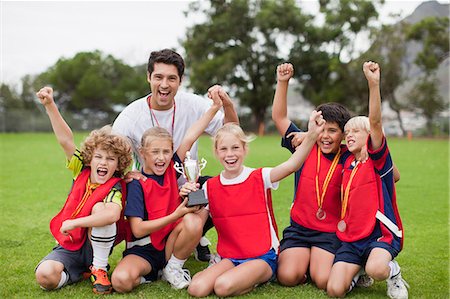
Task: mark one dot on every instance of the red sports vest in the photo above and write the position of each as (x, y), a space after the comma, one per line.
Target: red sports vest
(77, 237)
(239, 213)
(305, 205)
(363, 202)
(161, 201)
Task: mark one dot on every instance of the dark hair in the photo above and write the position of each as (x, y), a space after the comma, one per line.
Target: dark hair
(166, 56)
(335, 112)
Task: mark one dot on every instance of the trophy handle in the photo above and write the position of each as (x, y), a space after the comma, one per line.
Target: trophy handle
(202, 164)
(179, 168)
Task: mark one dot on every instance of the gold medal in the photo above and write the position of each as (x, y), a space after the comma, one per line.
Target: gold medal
(321, 215)
(342, 226)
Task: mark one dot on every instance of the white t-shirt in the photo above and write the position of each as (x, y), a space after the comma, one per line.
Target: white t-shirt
(267, 184)
(136, 118)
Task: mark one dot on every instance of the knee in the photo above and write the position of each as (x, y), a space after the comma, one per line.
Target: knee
(122, 281)
(222, 287)
(289, 277)
(98, 207)
(193, 224)
(321, 280)
(197, 288)
(47, 278)
(377, 272)
(335, 289)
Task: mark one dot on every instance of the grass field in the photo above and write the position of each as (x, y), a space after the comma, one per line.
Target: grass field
(34, 185)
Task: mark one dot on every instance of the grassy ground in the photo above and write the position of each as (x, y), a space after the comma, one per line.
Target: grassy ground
(34, 185)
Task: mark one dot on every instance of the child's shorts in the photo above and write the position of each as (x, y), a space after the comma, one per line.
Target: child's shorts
(296, 235)
(270, 258)
(156, 258)
(75, 262)
(358, 252)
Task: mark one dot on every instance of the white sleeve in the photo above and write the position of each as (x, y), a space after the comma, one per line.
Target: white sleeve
(202, 104)
(266, 177)
(122, 124)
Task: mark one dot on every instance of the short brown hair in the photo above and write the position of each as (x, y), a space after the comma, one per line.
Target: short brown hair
(104, 139)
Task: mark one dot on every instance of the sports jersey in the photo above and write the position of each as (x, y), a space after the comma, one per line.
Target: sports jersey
(371, 196)
(78, 205)
(305, 208)
(136, 118)
(152, 199)
(76, 165)
(242, 213)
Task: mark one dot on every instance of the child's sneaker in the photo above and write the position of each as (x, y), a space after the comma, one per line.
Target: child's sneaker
(201, 252)
(364, 281)
(397, 287)
(100, 281)
(179, 278)
(214, 259)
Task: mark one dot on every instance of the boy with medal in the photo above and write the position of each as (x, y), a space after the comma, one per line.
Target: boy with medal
(310, 241)
(370, 227)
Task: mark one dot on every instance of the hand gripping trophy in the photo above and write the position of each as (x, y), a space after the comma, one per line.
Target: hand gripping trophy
(191, 170)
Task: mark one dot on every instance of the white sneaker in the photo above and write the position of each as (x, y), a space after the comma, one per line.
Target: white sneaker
(179, 278)
(397, 287)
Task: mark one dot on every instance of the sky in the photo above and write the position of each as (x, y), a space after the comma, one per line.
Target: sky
(35, 34)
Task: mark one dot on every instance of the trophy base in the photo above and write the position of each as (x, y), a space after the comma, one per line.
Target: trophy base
(197, 198)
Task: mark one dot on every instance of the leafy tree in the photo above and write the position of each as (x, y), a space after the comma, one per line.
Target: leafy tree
(238, 46)
(92, 82)
(389, 48)
(433, 32)
(322, 58)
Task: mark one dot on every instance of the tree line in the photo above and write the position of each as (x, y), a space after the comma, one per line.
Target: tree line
(240, 43)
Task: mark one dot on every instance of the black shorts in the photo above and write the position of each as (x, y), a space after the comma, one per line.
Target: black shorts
(75, 262)
(156, 258)
(296, 235)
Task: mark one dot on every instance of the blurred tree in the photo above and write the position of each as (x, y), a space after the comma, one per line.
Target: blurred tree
(322, 58)
(433, 32)
(92, 82)
(9, 99)
(389, 49)
(239, 46)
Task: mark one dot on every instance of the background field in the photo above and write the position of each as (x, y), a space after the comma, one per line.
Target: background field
(34, 185)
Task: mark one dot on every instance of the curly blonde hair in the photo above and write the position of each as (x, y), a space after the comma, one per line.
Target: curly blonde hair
(106, 140)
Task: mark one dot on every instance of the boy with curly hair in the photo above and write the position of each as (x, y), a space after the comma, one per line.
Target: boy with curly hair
(85, 228)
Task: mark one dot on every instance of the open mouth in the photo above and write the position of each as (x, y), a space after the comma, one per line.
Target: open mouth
(102, 172)
(160, 166)
(164, 94)
(231, 162)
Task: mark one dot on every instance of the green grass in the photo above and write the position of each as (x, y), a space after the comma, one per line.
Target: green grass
(34, 185)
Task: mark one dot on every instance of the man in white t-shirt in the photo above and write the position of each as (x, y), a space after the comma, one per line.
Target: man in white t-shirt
(175, 111)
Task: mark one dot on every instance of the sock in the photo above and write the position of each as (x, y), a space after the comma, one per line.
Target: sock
(204, 241)
(395, 268)
(176, 262)
(102, 240)
(64, 279)
(354, 280)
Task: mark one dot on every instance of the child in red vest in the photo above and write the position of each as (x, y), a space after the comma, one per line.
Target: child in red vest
(164, 230)
(310, 241)
(85, 228)
(369, 225)
(241, 208)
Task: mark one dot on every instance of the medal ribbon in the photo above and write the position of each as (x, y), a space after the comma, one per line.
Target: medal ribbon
(89, 189)
(345, 195)
(320, 197)
(152, 115)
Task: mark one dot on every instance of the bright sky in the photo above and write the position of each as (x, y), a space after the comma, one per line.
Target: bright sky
(35, 34)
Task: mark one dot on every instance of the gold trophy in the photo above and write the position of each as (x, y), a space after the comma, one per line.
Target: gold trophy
(191, 170)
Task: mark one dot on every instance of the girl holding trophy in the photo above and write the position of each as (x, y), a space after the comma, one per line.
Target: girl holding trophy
(241, 208)
(163, 229)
